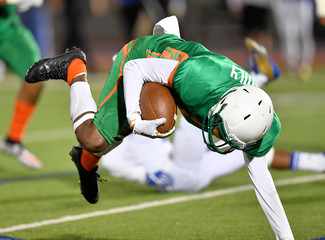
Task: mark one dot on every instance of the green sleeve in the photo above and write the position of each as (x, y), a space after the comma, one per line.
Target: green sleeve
(266, 143)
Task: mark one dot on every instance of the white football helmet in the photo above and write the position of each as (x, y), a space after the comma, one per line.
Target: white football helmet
(243, 115)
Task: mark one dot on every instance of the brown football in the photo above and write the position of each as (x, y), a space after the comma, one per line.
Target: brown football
(156, 101)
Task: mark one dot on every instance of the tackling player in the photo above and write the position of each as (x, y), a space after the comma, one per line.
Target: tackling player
(186, 165)
(213, 92)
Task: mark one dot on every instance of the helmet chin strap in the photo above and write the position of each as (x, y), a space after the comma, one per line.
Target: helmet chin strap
(223, 148)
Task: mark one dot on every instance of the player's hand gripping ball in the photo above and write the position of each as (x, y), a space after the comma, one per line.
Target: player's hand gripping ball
(156, 101)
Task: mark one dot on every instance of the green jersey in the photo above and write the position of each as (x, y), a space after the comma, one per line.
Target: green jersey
(201, 78)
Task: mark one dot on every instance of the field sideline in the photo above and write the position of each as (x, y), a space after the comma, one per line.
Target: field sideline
(47, 205)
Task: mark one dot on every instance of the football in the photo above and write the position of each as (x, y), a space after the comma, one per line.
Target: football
(156, 101)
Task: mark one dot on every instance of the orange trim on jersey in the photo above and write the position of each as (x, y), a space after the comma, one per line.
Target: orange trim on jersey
(150, 54)
(171, 76)
(178, 56)
(172, 54)
(126, 49)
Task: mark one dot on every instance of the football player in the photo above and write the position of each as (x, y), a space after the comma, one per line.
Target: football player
(213, 93)
(188, 165)
(19, 50)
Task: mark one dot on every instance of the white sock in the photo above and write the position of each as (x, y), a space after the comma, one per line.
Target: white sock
(81, 101)
(308, 161)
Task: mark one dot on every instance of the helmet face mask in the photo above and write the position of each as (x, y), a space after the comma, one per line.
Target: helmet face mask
(216, 121)
(242, 116)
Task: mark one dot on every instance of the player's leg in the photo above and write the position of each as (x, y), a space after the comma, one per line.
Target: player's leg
(20, 51)
(188, 144)
(290, 34)
(110, 120)
(194, 165)
(138, 158)
(214, 166)
(187, 158)
(123, 162)
(71, 67)
(99, 135)
(296, 160)
(262, 68)
(133, 161)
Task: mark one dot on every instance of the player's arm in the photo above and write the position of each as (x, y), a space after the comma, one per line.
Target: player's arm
(268, 197)
(135, 74)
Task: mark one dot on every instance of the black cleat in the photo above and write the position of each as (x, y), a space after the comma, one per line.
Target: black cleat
(54, 68)
(87, 180)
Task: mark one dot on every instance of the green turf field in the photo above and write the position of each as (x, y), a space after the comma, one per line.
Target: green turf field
(47, 204)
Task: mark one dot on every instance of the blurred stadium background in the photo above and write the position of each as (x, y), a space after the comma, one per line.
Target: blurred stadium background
(206, 21)
(52, 193)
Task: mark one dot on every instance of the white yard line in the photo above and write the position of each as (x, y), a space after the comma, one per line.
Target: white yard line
(158, 203)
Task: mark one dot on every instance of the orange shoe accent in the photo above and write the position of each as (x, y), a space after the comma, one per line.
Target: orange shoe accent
(20, 119)
(88, 160)
(76, 67)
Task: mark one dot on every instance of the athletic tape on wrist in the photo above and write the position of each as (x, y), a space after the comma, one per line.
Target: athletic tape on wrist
(83, 119)
(134, 117)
